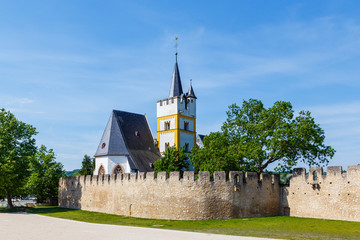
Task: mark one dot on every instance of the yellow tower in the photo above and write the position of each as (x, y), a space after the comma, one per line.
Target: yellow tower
(176, 116)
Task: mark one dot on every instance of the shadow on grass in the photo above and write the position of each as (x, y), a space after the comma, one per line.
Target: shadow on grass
(36, 210)
(45, 210)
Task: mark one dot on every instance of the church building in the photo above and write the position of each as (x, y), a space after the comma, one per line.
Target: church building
(127, 144)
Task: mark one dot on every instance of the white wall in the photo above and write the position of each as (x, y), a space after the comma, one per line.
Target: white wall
(190, 126)
(187, 138)
(173, 106)
(172, 123)
(191, 110)
(165, 107)
(164, 138)
(109, 162)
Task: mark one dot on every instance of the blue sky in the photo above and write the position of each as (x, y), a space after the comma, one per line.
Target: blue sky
(64, 65)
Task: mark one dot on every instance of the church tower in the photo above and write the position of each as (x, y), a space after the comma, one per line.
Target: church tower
(176, 116)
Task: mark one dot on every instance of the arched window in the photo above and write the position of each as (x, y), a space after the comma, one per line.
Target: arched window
(101, 170)
(118, 169)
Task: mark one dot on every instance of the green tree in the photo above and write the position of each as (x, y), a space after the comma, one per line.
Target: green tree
(87, 165)
(45, 175)
(75, 173)
(173, 160)
(217, 154)
(17, 145)
(273, 135)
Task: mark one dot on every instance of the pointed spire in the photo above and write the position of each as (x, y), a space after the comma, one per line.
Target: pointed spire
(176, 88)
(191, 92)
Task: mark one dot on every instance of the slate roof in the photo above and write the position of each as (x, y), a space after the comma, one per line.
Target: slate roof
(176, 88)
(191, 92)
(129, 134)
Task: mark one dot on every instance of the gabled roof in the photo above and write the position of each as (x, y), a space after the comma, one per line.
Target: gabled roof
(200, 140)
(129, 134)
(176, 88)
(191, 93)
(112, 141)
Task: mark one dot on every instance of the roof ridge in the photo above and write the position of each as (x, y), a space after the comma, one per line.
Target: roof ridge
(114, 110)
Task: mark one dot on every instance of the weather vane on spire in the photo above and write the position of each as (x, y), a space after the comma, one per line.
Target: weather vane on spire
(176, 44)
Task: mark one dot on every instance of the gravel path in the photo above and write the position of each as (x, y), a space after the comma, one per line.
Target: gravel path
(16, 226)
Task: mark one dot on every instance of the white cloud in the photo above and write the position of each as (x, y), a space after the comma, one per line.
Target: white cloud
(24, 101)
(15, 101)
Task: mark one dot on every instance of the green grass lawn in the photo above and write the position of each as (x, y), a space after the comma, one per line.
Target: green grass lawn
(272, 227)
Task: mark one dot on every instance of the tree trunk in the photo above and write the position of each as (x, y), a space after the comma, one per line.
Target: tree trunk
(8, 196)
(258, 175)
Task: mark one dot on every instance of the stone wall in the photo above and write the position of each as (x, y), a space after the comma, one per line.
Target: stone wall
(335, 195)
(146, 196)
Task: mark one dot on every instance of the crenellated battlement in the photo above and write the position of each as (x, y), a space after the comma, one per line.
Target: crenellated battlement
(299, 174)
(333, 173)
(187, 176)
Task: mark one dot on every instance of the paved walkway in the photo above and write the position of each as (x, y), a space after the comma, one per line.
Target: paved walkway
(16, 226)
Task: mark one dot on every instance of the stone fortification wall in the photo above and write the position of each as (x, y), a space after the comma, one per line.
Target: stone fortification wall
(146, 196)
(335, 195)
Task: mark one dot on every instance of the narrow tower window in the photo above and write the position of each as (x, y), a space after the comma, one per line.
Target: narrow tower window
(186, 147)
(186, 126)
(167, 125)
